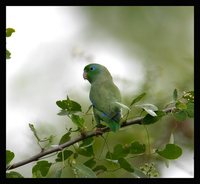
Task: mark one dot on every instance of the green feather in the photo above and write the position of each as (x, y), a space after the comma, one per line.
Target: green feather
(104, 94)
(112, 124)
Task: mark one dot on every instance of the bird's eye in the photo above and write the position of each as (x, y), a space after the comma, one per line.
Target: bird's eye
(92, 68)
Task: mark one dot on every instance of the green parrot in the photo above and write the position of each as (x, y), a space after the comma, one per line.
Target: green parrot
(104, 96)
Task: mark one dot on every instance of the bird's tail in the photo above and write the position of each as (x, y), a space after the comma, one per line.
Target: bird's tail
(113, 125)
(112, 122)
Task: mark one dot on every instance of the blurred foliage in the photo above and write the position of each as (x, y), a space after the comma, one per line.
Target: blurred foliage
(162, 39)
(9, 32)
(13, 174)
(149, 170)
(41, 169)
(9, 156)
(122, 155)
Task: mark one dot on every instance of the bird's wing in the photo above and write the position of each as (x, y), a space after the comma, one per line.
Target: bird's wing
(102, 96)
(113, 125)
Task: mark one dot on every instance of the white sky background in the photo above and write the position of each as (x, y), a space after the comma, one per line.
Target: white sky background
(42, 70)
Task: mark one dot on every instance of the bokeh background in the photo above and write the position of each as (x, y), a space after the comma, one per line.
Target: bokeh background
(146, 49)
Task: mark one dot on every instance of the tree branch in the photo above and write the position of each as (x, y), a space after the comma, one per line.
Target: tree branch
(75, 140)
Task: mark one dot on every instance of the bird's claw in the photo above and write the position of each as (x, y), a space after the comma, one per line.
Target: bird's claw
(99, 131)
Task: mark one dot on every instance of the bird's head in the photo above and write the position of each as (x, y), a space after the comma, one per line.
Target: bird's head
(94, 71)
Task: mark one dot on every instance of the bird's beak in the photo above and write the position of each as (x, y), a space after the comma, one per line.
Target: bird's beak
(85, 75)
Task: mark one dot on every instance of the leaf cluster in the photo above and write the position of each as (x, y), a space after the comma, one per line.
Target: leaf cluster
(81, 157)
(184, 105)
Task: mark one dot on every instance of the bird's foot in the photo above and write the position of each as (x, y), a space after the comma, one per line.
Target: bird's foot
(100, 126)
(99, 131)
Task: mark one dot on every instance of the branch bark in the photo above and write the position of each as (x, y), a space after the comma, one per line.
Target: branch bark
(75, 140)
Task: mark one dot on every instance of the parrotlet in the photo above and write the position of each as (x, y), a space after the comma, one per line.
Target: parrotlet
(104, 96)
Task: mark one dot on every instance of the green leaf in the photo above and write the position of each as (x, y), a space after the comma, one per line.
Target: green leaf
(63, 155)
(189, 96)
(119, 152)
(66, 137)
(175, 94)
(8, 54)
(85, 148)
(58, 173)
(75, 155)
(180, 115)
(149, 170)
(110, 157)
(137, 148)
(148, 119)
(84, 171)
(90, 163)
(62, 104)
(63, 113)
(171, 151)
(151, 112)
(9, 32)
(100, 168)
(13, 174)
(69, 105)
(190, 109)
(34, 131)
(87, 152)
(125, 165)
(139, 174)
(138, 98)
(41, 169)
(149, 108)
(87, 142)
(180, 105)
(79, 121)
(9, 156)
(50, 139)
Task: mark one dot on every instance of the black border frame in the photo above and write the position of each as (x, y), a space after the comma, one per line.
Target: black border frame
(196, 178)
